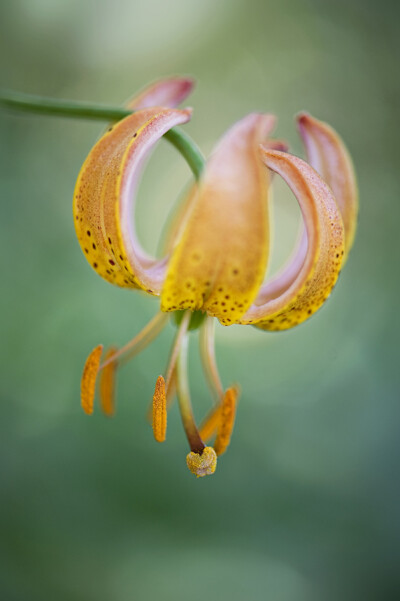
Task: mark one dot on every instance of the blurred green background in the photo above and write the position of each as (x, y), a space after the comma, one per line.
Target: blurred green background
(304, 506)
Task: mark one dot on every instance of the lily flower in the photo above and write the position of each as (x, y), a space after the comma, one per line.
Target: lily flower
(217, 254)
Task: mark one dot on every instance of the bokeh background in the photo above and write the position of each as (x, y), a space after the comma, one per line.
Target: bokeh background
(305, 505)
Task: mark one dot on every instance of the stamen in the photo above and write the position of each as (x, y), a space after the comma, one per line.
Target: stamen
(227, 420)
(171, 390)
(88, 381)
(160, 410)
(169, 394)
(207, 353)
(107, 383)
(211, 423)
(204, 464)
(140, 341)
(185, 405)
(173, 357)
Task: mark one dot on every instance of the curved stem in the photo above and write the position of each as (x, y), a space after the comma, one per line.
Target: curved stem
(68, 108)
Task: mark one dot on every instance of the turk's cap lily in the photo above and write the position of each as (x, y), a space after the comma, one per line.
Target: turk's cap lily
(217, 255)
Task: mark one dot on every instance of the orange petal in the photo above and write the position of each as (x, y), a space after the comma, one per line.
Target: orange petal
(290, 301)
(107, 384)
(329, 156)
(169, 92)
(104, 195)
(220, 260)
(89, 377)
(273, 144)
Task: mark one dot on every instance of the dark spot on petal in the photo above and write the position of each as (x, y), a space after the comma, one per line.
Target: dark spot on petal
(111, 262)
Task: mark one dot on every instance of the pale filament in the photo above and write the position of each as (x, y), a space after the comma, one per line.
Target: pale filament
(172, 361)
(140, 341)
(207, 354)
(170, 372)
(185, 404)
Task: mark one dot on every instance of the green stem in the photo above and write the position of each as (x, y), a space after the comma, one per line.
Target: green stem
(84, 110)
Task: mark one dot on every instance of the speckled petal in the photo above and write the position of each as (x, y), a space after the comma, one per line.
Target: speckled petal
(292, 300)
(104, 198)
(220, 260)
(329, 156)
(169, 92)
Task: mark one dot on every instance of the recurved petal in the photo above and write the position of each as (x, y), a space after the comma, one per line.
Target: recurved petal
(327, 153)
(104, 199)
(302, 289)
(274, 144)
(220, 259)
(168, 92)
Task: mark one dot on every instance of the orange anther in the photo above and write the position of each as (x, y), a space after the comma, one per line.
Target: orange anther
(160, 410)
(89, 376)
(107, 383)
(227, 421)
(211, 423)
